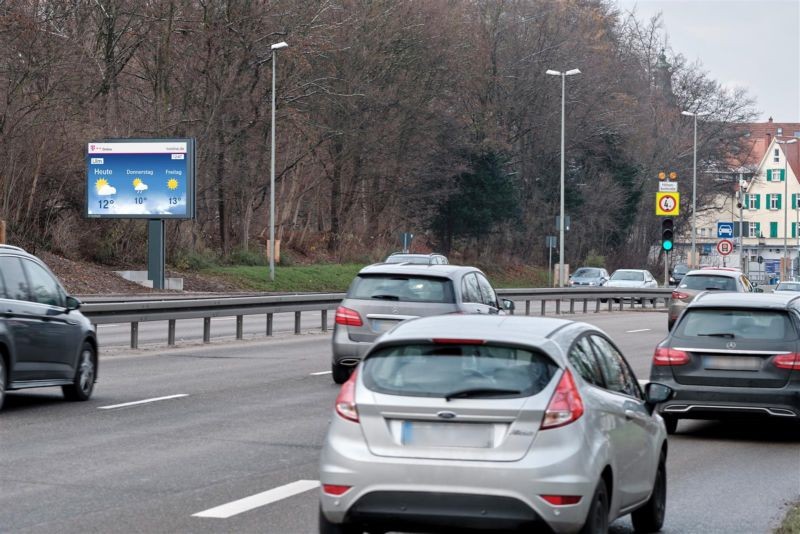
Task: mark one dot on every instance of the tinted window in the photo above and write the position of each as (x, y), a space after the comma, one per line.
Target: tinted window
(704, 282)
(617, 375)
(470, 291)
(582, 359)
(44, 288)
(409, 258)
(628, 275)
(487, 293)
(439, 370)
(402, 288)
(680, 269)
(16, 283)
(587, 273)
(736, 324)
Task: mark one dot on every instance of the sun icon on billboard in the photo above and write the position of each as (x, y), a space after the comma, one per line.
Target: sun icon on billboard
(172, 184)
(104, 188)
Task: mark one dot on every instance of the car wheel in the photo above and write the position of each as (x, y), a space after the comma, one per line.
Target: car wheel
(2, 381)
(671, 422)
(650, 517)
(340, 372)
(326, 527)
(83, 384)
(597, 520)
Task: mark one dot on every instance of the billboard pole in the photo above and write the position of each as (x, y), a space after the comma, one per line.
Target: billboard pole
(156, 252)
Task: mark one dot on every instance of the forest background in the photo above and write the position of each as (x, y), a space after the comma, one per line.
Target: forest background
(433, 117)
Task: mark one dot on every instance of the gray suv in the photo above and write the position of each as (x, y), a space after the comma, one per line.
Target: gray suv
(466, 422)
(382, 295)
(44, 339)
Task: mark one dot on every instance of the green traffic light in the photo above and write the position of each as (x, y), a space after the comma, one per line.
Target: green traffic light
(666, 245)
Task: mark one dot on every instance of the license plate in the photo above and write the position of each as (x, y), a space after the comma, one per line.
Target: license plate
(732, 363)
(383, 325)
(424, 434)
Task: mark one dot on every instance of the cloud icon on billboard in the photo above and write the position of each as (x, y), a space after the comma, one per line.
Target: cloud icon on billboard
(103, 188)
(139, 185)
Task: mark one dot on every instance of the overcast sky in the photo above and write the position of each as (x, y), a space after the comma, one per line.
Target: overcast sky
(753, 44)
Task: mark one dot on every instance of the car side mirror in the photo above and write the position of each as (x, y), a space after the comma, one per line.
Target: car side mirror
(655, 393)
(73, 303)
(508, 305)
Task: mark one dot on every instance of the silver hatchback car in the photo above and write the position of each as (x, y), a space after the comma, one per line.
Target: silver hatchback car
(382, 295)
(469, 422)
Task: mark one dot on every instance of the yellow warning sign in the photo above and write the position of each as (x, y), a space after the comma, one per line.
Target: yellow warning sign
(668, 203)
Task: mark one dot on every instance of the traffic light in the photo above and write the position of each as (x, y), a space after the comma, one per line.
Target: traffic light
(667, 233)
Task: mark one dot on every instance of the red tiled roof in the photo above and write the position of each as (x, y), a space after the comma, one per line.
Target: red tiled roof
(759, 135)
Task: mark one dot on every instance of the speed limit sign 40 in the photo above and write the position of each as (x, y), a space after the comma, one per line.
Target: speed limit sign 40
(724, 247)
(668, 203)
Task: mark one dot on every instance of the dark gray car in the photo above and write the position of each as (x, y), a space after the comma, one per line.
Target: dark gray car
(44, 339)
(383, 295)
(732, 355)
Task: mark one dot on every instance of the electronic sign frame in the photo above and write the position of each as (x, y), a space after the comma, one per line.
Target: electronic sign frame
(140, 179)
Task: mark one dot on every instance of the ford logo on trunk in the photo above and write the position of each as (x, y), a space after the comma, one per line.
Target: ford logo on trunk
(446, 415)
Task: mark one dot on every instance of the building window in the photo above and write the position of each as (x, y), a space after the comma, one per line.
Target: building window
(780, 131)
(777, 157)
(752, 201)
(796, 134)
(702, 232)
(752, 231)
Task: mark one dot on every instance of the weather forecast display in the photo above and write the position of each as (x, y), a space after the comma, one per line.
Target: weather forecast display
(141, 179)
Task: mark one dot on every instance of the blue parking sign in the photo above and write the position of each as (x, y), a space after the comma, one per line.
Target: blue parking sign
(724, 229)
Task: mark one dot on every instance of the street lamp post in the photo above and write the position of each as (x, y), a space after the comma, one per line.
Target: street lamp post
(694, 184)
(785, 206)
(561, 220)
(274, 48)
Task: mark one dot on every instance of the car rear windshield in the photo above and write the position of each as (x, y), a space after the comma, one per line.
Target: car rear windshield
(628, 275)
(586, 273)
(431, 370)
(736, 324)
(680, 269)
(417, 260)
(403, 288)
(703, 282)
(788, 286)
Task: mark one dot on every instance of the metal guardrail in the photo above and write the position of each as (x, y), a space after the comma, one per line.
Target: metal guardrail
(136, 310)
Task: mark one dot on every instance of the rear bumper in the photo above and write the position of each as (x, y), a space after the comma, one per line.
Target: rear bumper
(346, 351)
(457, 494)
(707, 402)
(452, 512)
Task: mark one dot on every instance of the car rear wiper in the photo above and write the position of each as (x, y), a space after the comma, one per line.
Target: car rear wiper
(480, 392)
(386, 297)
(729, 335)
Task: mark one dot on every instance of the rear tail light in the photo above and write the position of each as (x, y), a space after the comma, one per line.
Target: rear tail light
(346, 400)
(678, 295)
(335, 490)
(787, 361)
(561, 500)
(566, 404)
(348, 317)
(665, 357)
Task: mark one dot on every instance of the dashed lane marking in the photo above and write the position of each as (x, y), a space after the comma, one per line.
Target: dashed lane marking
(259, 499)
(145, 401)
(319, 373)
(640, 330)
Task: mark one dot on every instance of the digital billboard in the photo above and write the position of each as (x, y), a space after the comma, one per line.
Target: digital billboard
(140, 178)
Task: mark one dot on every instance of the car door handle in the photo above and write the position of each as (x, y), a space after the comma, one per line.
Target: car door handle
(631, 415)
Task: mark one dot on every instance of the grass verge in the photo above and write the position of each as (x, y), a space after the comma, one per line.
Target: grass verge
(791, 523)
(337, 277)
(301, 278)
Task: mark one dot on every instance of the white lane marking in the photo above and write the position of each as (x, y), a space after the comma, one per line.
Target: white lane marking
(321, 373)
(640, 330)
(233, 508)
(223, 318)
(107, 325)
(145, 401)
